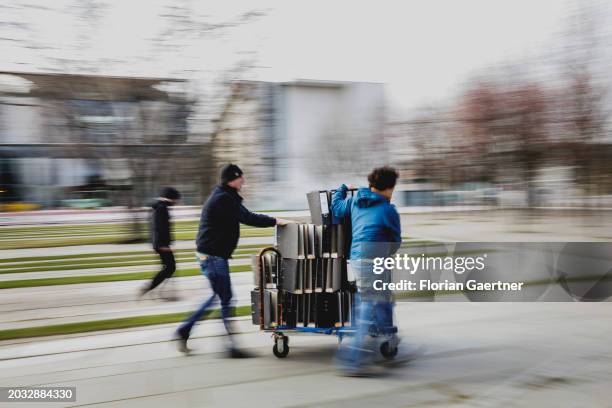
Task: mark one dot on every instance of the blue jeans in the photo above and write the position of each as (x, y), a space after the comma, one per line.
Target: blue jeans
(216, 269)
(373, 314)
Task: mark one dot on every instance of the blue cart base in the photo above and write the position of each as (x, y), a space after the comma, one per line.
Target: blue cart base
(281, 342)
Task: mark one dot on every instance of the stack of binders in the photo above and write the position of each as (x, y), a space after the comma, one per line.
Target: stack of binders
(307, 285)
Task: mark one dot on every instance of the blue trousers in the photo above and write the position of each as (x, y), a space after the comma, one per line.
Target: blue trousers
(370, 318)
(373, 314)
(216, 269)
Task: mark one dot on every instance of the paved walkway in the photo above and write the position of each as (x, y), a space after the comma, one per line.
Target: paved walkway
(112, 248)
(108, 271)
(485, 355)
(48, 305)
(28, 307)
(494, 354)
(511, 226)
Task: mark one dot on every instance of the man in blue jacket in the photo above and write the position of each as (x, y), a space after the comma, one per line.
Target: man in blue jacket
(217, 238)
(376, 232)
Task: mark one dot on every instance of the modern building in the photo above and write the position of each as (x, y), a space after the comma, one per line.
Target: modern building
(61, 134)
(299, 136)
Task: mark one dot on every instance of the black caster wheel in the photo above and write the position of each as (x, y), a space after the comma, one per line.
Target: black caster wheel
(388, 351)
(281, 347)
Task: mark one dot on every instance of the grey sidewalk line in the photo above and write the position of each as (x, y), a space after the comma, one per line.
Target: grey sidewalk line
(87, 258)
(112, 248)
(22, 348)
(125, 260)
(81, 315)
(161, 308)
(4, 277)
(125, 303)
(64, 296)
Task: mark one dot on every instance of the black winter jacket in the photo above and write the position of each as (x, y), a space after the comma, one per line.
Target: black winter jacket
(220, 221)
(160, 225)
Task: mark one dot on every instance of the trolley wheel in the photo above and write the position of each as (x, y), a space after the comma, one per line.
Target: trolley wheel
(281, 347)
(388, 351)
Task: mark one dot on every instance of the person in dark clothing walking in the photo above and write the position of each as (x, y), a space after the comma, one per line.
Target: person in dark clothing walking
(217, 238)
(161, 236)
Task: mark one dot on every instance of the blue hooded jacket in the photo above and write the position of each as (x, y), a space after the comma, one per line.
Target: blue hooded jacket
(374, 220)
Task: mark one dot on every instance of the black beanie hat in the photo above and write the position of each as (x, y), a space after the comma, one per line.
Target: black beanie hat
(170, 193)
(230, 172)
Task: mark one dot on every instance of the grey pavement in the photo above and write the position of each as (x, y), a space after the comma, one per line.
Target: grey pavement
(106, 215)
(28, 307)
(7, 276)
(119, 214)
(450, 226)
(47, 305)
(511, 225)
(112, 248)
(493, 354)
(485, 355)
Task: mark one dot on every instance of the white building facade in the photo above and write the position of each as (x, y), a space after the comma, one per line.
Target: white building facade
(295, 137)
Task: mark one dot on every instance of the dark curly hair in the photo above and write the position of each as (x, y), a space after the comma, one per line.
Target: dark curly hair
(382, 178)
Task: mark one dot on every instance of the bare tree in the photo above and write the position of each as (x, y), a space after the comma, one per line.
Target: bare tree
(144, 142)
(583, 106)
(479, 116)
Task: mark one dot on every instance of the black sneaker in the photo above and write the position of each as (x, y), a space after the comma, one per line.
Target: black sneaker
(237, 353)
(181, 338)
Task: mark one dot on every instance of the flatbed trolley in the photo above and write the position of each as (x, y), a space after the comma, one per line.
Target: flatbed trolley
(388, 348)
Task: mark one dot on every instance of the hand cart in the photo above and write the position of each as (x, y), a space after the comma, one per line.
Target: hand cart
(388, 347)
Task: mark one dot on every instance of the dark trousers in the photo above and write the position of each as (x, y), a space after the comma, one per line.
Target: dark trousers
(216, 269)
(168, 268)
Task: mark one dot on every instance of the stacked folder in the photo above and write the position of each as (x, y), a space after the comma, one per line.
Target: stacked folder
(309, 241)
(306, 285)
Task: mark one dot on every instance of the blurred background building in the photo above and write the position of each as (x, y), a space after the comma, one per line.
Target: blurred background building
(85, 127)
(299, 136)
(87, 140)
(90, 140)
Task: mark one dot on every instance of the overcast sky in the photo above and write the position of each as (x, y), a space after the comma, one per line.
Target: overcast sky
(423, 50)
(420, 49)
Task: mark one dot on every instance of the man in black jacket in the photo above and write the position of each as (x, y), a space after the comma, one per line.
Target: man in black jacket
(217, 238)
(161, 236)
